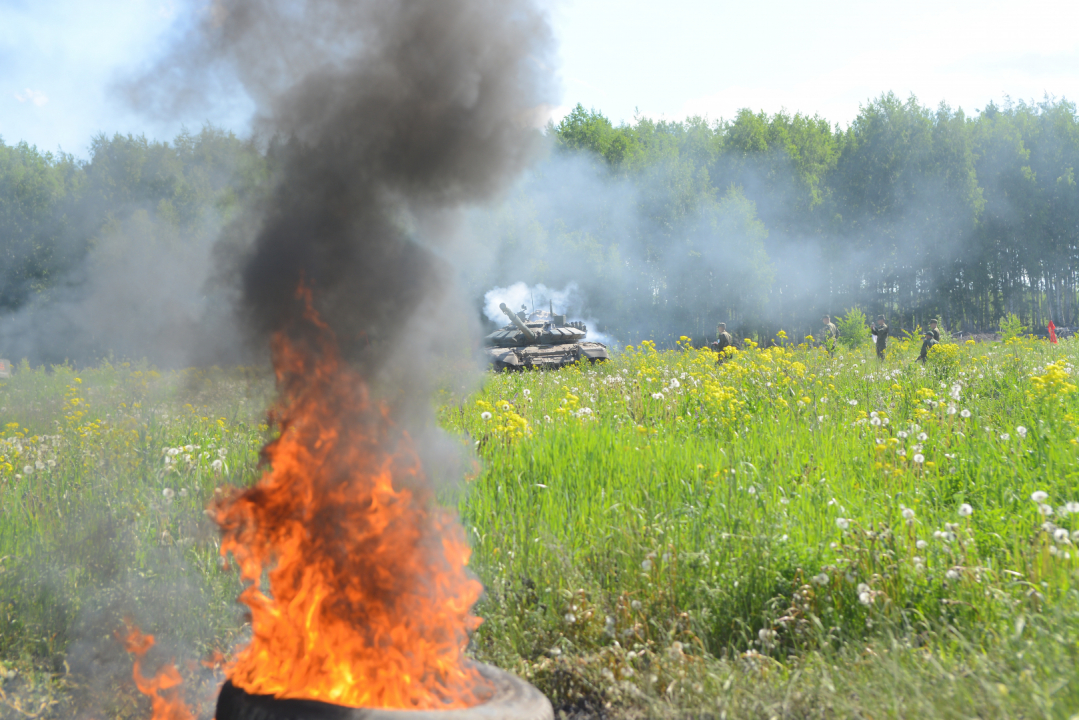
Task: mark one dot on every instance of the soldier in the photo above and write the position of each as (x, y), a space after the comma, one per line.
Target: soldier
(932, 337)
(879, 330)
(828, 333)
(723, 341)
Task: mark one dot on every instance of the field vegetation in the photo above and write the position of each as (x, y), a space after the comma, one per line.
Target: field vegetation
(785, 533)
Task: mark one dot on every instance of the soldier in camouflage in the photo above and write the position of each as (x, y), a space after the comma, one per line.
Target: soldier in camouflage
(723, 341)
(829, 333)
(879, 330)
(932, 337)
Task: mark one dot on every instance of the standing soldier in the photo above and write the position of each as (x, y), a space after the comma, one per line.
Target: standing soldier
(879, 330)
(829, 333)
(932, 337)
(723, 341)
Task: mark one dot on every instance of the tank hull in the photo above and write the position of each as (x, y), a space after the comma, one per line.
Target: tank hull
(545, 357)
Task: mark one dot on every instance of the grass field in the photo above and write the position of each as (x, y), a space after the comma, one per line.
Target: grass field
(786, 534)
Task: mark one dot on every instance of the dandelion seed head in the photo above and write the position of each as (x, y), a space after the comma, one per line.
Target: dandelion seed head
(965, 510)
(919, 458)
(485, 415)
(908, 513)
(1039, 496)
(921, 544)
(1045, 510)
(842, 523)
(964, 413)
(1021, 431)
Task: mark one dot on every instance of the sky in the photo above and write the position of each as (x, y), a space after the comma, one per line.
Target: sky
(61, 59)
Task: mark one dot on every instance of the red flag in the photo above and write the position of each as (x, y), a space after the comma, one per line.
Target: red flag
(1052, 332)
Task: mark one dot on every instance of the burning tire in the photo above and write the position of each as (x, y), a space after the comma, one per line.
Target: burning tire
(514, 699)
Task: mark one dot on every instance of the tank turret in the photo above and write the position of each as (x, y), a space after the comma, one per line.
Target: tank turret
(529, 335)
(542, 339)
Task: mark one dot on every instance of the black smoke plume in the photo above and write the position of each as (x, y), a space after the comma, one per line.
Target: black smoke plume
(388, 116)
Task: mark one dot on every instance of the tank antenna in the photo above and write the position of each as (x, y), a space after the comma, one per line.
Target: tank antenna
(533, 296)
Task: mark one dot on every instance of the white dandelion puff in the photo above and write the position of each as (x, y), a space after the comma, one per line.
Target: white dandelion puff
(485, 415)
(1021, 431)
(919, 458)
(842, 523)
(965, 510)
(1039, 496)
(908, 513)
(1045, 510)
(964, 413)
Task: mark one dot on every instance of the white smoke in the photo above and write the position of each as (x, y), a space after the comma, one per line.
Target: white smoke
(569, 301)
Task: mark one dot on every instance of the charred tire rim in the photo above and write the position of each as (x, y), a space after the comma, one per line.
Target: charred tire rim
(514, 699)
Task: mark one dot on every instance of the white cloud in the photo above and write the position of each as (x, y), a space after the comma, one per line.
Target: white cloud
(36, 97)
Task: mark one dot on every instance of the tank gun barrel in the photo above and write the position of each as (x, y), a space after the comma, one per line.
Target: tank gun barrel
(517, 321)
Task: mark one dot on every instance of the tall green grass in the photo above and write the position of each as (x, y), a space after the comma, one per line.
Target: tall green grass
(647, 527)
(768, 536)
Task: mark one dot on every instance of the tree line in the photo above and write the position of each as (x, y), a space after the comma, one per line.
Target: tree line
(765, 221)
(909, 211)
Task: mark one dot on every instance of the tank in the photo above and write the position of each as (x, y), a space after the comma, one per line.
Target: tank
(540, 340)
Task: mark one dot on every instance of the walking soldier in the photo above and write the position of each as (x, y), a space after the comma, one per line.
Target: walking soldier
(829, 333)
(879, 330)
(932, 337)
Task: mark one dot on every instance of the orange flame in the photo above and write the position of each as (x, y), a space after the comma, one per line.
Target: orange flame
(369, 600)
(163, 688)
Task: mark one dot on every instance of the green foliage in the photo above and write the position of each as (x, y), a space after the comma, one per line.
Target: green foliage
(676, 526)
(53, 209)
(684, 509)
(944, 358)
(1011, 327)
(853, 329)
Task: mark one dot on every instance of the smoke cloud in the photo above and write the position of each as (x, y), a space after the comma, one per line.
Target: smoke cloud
(568, 301)
(393, 116)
